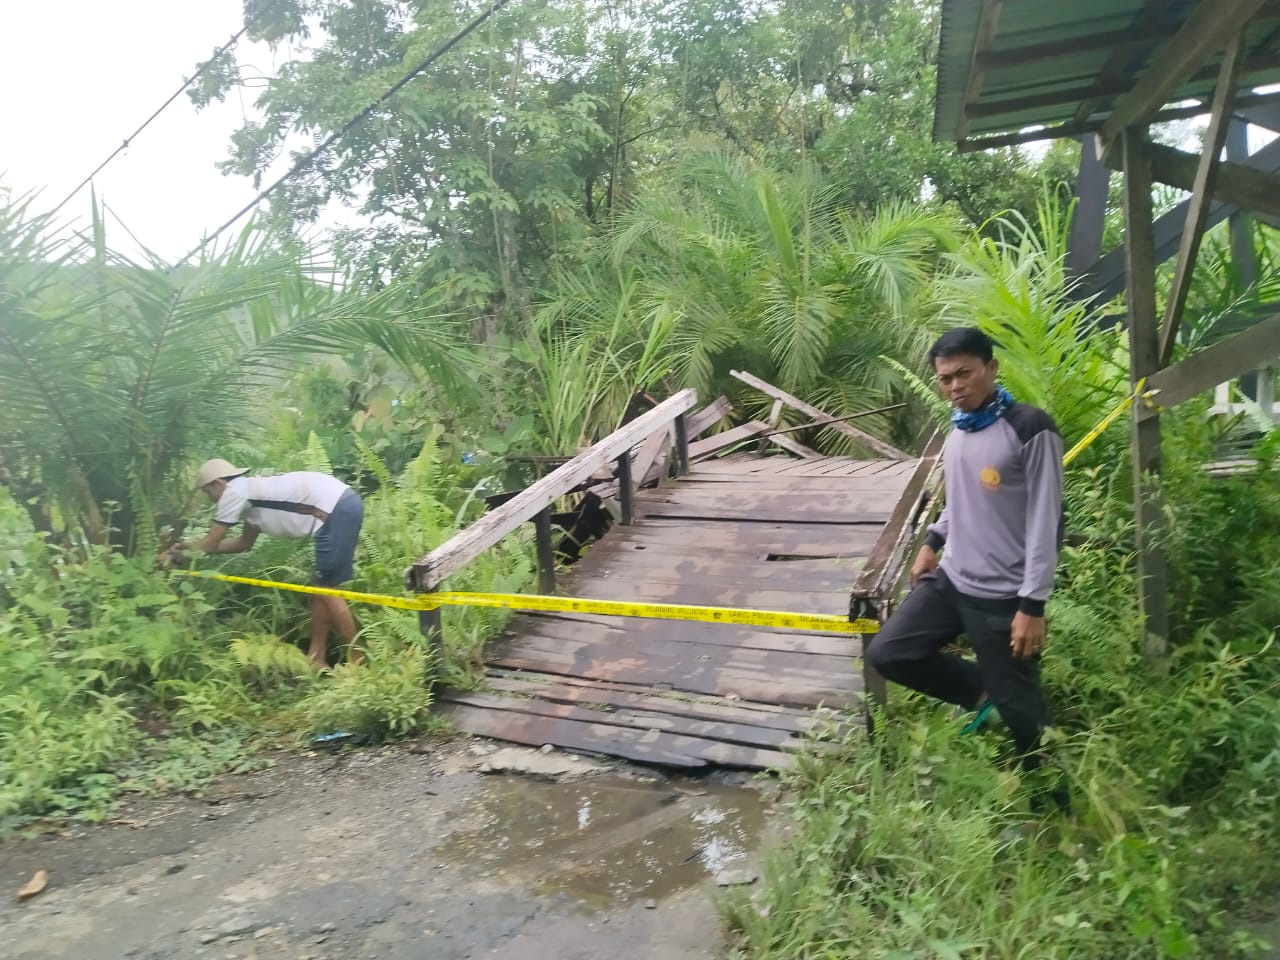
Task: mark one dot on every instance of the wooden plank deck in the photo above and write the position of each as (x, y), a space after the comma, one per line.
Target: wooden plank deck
(739, 531)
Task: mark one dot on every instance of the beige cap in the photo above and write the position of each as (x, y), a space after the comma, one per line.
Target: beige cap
(215, 469)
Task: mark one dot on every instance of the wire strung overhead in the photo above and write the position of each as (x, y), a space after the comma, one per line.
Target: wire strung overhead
(310, 158)
(124, 144)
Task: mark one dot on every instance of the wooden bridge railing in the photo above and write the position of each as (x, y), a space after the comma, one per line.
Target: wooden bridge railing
(880, 581)
(649, 430)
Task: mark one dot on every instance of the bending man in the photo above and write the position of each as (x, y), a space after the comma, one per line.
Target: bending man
(999, 534)
(302, 504)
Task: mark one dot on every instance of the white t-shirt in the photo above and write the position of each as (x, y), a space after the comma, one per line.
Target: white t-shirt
(280, 506)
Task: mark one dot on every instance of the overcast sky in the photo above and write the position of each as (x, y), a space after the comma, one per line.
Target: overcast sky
(78, 76)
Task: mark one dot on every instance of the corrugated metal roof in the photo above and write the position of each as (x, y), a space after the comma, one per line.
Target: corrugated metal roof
(1046, 57)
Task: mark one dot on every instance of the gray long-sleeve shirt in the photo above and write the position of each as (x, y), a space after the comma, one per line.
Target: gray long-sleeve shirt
(1002, 524)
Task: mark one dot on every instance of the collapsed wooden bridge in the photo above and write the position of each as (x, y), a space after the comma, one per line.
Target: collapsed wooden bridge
(705, 522)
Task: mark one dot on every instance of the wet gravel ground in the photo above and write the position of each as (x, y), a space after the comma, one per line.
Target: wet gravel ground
(391, 853)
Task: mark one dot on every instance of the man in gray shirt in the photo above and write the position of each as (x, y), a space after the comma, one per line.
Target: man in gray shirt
(999, 536)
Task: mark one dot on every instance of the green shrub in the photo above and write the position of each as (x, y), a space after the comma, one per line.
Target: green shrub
(387, 696)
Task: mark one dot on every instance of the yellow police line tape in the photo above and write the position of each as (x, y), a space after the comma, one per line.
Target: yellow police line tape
(813, 622)
(1109, 419)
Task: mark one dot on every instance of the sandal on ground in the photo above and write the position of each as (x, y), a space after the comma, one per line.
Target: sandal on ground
(979, 717)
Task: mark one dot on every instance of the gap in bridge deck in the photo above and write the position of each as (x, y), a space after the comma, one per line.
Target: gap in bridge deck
(742, 531)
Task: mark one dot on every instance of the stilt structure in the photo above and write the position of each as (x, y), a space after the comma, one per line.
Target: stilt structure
(1104, 71)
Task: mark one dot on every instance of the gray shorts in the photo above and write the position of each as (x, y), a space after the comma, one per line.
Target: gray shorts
(336, 541)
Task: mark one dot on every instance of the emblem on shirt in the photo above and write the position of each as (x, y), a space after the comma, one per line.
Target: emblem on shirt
(989, 478)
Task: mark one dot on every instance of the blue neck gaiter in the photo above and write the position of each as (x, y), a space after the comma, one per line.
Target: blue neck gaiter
(984, 416)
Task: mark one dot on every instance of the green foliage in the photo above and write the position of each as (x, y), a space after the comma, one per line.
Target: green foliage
(909, 846)
(389, 696)
(736, 267)
(117, 373)
(1053, 353)
(79, 639)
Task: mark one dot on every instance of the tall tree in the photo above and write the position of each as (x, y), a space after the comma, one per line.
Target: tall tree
(514, 149)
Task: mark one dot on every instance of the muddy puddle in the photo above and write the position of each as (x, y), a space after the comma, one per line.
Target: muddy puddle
(607, 841)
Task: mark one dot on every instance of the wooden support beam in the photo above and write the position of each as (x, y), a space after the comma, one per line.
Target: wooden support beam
(864, 438)
(1207, 30)
(1201, 195)
(1254, 347)
(988, 19)
(1106, 277)
(1144, 348)
(450, 557)
(875, 591)
(1239, 184)
(1244, 186)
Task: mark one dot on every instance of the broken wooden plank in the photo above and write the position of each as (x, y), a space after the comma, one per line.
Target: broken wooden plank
(587, 692)
(639, 746)
(630, 718)
(642, 467)
(866, 439)
(706, 418)
(723, 441)
(794, 446)
(874, 579)
(755, 706)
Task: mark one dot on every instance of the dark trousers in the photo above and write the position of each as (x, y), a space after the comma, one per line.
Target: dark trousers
(908, 650)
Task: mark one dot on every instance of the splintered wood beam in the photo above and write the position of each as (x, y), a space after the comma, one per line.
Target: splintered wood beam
(1253, 347)
(864, 438)
(1201, 195)
(1207, 30)
(988, 19)
(1144, 347)
(450, 557)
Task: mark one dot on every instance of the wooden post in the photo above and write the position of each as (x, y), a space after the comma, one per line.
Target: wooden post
(1243, 255)
(1144, 353)
(626, 488)
(431, 623)
(1201, 197)
(682, 446)
(1084, 245)
(546, 552)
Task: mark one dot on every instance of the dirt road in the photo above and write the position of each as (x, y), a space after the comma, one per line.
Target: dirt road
(393, 854)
